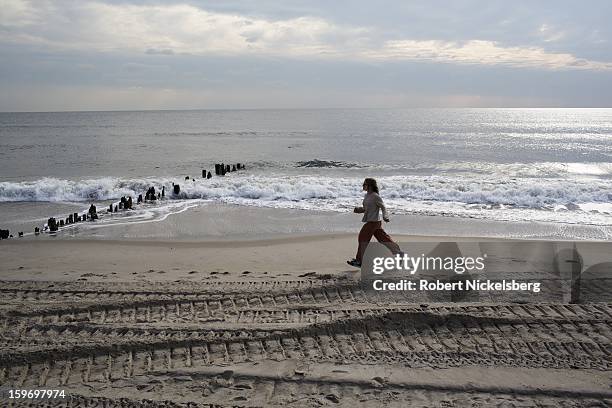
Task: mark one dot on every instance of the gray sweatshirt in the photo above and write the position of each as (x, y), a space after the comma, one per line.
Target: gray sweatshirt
(372, 203)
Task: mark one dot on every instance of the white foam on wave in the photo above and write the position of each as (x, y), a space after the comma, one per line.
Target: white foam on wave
(60, 190)
(157, 212)
(553, 199)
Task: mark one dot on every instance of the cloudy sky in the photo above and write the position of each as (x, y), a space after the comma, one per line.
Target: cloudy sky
(190, 54)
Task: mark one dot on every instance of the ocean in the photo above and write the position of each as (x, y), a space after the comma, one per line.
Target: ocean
(536, 166)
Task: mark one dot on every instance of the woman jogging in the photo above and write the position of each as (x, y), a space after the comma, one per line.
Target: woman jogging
(372, 204)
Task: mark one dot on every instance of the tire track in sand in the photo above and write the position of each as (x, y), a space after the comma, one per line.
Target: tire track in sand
(310, 307)
(417, 339)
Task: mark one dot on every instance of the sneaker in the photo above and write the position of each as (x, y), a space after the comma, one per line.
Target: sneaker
(354, 262)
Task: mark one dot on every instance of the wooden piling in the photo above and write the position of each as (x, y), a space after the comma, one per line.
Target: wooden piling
(52, 224)
(93, 212)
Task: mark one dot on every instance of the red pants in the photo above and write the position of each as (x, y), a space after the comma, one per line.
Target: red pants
(373, 228)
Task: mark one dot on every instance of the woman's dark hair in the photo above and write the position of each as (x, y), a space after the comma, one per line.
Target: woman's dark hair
(370, 182)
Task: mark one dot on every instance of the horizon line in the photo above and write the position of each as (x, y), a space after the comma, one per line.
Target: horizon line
(303, 108)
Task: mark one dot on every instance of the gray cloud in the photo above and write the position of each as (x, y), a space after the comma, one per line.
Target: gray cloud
(199, 54)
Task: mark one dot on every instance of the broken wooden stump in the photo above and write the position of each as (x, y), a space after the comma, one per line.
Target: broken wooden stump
(53, 225)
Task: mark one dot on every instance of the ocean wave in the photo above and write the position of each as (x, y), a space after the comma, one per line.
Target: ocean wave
(566, 201)
(61, 190)
(526, 193)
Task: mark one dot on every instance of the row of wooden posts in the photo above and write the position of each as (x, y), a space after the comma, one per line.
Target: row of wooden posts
(53, 224)
(125, 203)
(221, 169)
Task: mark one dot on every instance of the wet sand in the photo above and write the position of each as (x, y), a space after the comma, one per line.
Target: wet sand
(282, 322)
(129, 260)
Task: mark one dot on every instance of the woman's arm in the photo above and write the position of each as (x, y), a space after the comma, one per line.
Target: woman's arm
(381, 205)
(359, 210)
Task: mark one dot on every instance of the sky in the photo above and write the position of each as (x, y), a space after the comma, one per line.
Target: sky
(146, 54)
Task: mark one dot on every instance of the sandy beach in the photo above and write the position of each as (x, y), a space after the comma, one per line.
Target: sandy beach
(215, 204)
(282, 322)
